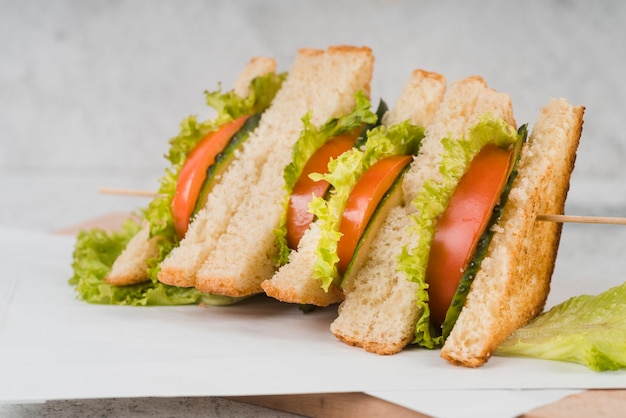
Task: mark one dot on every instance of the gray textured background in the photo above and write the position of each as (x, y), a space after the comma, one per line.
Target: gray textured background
(90, 91)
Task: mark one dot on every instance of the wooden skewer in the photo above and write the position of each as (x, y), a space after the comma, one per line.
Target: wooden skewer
(543, 218)
(582, 219)
(128, 192)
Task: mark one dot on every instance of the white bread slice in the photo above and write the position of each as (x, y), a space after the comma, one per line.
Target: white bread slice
(323, 83)
(513, 282)
(380, 309)
(294, 282)
(130, 267)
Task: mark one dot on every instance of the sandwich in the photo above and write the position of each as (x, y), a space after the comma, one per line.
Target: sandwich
(308, 272)
(230, 247)
(420, 222)
(462, 261)
(121, 267)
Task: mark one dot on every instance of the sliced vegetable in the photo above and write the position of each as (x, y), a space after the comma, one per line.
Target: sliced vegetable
(461, 225)
(392, 198)
(223, 159)
(363, 201)
(299, 217)
(193, 172)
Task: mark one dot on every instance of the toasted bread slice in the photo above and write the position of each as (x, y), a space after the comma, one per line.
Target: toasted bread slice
(131, 266)
(323, 82)
(513, 282)
(294, 282)
(380, 308)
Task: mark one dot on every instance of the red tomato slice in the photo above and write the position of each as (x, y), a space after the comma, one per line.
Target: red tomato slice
(363, 201)
(463, 222)
(194, 171)
(298, 216)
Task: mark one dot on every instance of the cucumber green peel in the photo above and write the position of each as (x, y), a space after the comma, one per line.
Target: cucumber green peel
(432, 201)
(589, 330)
(222, 160)
(389, 198)
(96, 250)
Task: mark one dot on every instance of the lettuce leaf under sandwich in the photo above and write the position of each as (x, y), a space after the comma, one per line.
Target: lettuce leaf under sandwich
(94, 254)
(96, 250)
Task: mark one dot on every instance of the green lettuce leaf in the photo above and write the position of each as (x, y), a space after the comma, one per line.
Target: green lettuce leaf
(310, 140)
(589, 330)
(96, 250)
(344, 172)
(94, 254)
(432, 201)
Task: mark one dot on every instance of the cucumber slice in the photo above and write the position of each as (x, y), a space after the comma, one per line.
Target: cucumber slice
(223, 159)
(393, 197)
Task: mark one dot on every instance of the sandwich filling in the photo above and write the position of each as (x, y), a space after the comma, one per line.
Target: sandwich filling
(192, 180)
(312, 154)
(298, 216)
(343, 174)
(364, 199)
(431, 204)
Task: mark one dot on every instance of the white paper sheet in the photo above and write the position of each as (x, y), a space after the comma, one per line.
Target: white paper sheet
(53, 346)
